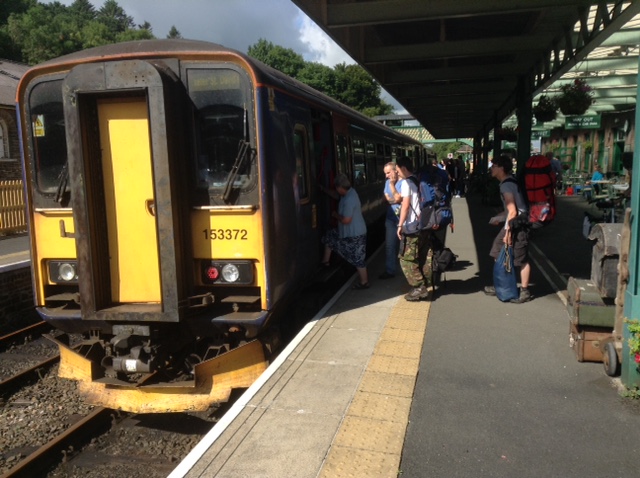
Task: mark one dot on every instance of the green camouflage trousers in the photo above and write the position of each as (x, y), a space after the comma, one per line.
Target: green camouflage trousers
(416, 258)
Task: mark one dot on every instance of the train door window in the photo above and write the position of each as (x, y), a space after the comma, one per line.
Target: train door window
(225, 153)
(372, 175)
(343, 157)
(48, 139)
(301, 148)
(380, 162)
(387, 153)
(359, 166)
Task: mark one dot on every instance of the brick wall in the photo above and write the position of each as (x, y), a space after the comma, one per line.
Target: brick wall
(16, 300)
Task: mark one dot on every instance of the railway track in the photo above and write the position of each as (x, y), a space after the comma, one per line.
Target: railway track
(56, 450)
(38, 418)
(21, 335)
(24, 357)
(77, 440)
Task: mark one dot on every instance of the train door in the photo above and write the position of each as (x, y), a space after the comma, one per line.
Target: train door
(127, 174)
(325, 170)
(125, 137)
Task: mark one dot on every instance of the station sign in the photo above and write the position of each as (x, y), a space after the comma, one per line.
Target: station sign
(543, 133)
(582, 122)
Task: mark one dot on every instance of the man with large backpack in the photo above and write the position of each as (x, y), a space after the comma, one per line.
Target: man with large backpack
(514, 233)
(416, 252)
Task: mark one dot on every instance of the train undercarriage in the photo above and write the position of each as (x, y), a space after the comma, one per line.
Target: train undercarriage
(134, 374)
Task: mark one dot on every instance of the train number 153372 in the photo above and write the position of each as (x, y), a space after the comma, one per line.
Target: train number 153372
(225, 234)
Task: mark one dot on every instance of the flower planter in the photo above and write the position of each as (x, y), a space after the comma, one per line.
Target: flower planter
(574, 108)
(546, 109)
(576, 98)
(630, 371)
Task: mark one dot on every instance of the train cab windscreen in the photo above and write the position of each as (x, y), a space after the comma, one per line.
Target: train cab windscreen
(49, 140)
(225, 152)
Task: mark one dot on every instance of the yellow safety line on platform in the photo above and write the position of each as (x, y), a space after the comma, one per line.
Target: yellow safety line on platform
(370, 439)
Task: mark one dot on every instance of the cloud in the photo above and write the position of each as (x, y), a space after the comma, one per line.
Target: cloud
(321, 48)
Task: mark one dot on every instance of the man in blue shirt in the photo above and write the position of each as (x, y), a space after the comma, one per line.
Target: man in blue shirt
(392, 242)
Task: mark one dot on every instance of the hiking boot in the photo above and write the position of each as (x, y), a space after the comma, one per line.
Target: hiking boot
(490, 290)
(385, 275)
(419, 293)
(525, 296)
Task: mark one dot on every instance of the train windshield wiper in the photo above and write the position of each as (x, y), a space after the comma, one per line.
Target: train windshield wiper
(63, 181)
(243, 149)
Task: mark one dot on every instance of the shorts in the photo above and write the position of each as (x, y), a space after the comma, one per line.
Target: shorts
(520, 246)
(352, 249)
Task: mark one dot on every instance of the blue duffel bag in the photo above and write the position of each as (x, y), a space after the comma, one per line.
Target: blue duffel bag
(504, 276)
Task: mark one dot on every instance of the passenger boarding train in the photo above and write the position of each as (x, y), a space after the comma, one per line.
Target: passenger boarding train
(174, 211)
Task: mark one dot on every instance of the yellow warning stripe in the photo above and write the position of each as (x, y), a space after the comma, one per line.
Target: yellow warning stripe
(370, 439)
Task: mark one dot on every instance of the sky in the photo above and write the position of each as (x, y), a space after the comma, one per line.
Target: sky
(238, 24)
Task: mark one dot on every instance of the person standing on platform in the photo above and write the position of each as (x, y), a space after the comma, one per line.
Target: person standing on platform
(511, 234)
(416, 254)
(556, 167)
(350, 238)
(392, 243)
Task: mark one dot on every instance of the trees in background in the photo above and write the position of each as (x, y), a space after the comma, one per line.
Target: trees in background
(33, 32)
(349, 84)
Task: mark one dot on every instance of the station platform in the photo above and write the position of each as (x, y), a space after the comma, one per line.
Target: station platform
(14, 252)
(462, 386)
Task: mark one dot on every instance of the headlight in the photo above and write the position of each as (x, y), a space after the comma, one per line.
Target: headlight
(230, 273)
(63, 272)
(227, 272)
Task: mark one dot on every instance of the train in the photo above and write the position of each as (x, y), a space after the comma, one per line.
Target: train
(173, 204)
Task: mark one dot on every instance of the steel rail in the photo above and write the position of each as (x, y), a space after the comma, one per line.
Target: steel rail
(11, 384)
(54, 452)
(20, 335)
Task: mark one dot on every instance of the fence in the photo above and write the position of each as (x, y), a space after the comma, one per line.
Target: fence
(12, 209)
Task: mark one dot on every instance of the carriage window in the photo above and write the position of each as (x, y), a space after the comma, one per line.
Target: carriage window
(301, 151)
(343, 160)
(360, 176)
(226, 159)
(48, 136)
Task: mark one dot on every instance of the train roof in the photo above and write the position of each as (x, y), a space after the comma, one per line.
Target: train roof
(171, 47)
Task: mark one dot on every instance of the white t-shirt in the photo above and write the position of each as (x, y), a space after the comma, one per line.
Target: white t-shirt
(409, 188)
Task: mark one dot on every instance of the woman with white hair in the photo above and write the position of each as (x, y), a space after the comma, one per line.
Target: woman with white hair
(350, 238)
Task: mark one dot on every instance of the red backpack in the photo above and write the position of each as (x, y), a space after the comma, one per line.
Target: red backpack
(540, 184)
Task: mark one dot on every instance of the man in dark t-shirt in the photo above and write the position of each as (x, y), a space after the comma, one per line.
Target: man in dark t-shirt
(515, 236)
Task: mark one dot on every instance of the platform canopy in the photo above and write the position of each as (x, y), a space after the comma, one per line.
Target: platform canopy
(460, 67)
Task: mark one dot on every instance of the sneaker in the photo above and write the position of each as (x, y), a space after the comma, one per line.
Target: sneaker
(417, 294)
(525, 296)
(490, 290)
(386, 275)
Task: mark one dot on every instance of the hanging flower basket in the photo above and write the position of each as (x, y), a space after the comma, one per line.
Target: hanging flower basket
(576, 97)
(546, 109)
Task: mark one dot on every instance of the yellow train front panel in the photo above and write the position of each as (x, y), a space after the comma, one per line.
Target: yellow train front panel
(230, 234)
